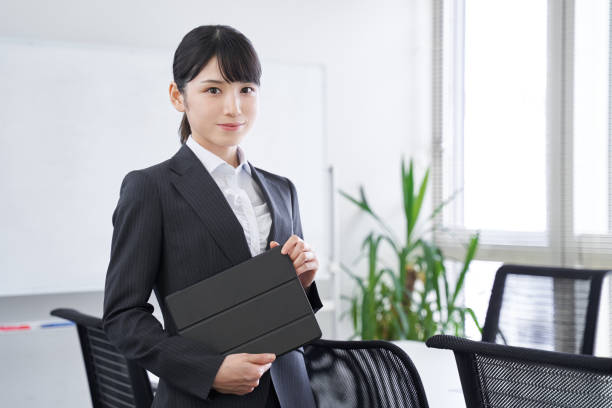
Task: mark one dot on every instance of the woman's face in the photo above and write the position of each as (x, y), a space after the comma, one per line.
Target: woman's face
(219, 113)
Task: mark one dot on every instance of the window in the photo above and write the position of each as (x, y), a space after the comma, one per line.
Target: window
(504, 137)
(522, 131)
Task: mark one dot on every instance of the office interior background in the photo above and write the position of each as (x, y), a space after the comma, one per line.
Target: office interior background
(504, 104)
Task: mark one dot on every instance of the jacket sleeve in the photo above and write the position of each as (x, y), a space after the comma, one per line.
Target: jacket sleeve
(312, 293)
(129, 324)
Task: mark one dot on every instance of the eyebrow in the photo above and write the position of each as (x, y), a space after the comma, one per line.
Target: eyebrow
(216, 81)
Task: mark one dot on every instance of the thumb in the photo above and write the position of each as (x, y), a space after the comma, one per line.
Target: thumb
(274, 244)
(263, 358)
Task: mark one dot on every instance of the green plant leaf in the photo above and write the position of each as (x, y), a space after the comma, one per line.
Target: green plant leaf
(396, 247)
(372, 258)
(444, 275)
(363, 204)
(355, 314)
(419, 201)
(408, 192)
(432, 275)
(358, 279)
(429, 324)
(403, 318)
(368, 317)
(469, 256)
(367, 241)
(474, 318)
(444, 204)
(396, 283)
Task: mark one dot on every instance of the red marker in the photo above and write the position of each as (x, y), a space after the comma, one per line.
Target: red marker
(14, 328)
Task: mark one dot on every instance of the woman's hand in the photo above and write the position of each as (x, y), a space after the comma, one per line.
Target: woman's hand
(303, 256)
(240, 373)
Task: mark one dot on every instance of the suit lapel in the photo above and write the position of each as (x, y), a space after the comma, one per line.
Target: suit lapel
(200, 190)
(277, 206)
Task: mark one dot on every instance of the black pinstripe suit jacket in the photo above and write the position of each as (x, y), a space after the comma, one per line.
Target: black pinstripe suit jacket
(172, 228)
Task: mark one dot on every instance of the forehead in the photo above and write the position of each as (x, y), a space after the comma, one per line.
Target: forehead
(210, 71)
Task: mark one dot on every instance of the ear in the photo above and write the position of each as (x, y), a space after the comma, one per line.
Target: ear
(176, 98)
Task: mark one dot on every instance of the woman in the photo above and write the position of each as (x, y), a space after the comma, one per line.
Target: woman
(197, 214)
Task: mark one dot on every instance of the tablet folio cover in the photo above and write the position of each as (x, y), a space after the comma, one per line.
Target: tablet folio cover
(257, 306)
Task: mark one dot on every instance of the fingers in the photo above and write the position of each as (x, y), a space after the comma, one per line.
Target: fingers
(253, 373)
(302, 258)
(263, 358)
(294, 246)
(240, 373)
(300, 248)
(261, 369)
(301, 253)
(291, 242)
(297, 249)
(308, 266)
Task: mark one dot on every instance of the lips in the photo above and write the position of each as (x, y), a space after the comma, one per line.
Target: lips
(230, 126)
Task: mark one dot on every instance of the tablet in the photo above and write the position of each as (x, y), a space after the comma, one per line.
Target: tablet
(257, 306)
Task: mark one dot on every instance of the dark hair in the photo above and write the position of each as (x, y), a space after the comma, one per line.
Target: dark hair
(238, 61)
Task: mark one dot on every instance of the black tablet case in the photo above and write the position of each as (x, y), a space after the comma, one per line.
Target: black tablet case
(257, 306)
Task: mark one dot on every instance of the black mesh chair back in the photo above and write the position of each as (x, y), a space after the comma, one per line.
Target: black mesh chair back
(495, 375)
(546, 308)
(114, 381)
(362, 374)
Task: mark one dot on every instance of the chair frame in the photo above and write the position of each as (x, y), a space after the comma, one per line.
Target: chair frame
(465, 349)
(377, 344)
(143, 392)
(491, 325)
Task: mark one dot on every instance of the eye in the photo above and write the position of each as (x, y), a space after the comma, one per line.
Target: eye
(248, 89)
(213, 90)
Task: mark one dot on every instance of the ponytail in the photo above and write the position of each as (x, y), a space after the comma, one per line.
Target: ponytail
(184, 129)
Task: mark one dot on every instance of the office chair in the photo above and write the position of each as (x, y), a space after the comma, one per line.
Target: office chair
(546, 308)
(495, 375)
(362, 374)
(114, 381)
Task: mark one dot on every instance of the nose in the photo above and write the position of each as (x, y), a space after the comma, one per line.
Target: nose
(232, 104)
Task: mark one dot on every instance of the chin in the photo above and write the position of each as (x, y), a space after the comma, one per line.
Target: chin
(231, 140)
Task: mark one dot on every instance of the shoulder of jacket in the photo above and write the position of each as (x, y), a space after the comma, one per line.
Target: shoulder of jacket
(275, 177)
(148, 178)
(154, 172)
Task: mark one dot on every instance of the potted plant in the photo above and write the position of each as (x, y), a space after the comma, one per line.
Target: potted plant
(415, 299)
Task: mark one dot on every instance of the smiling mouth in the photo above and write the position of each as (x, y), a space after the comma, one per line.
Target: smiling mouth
(230, 127)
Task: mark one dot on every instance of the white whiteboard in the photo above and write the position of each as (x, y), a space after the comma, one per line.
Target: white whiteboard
(74, 120)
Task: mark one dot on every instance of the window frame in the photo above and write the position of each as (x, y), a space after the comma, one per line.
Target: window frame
(558, 246)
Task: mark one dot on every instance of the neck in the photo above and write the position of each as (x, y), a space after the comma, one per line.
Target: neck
(228, 153)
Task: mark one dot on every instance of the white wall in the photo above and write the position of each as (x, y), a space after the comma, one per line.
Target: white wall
(376, 55)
